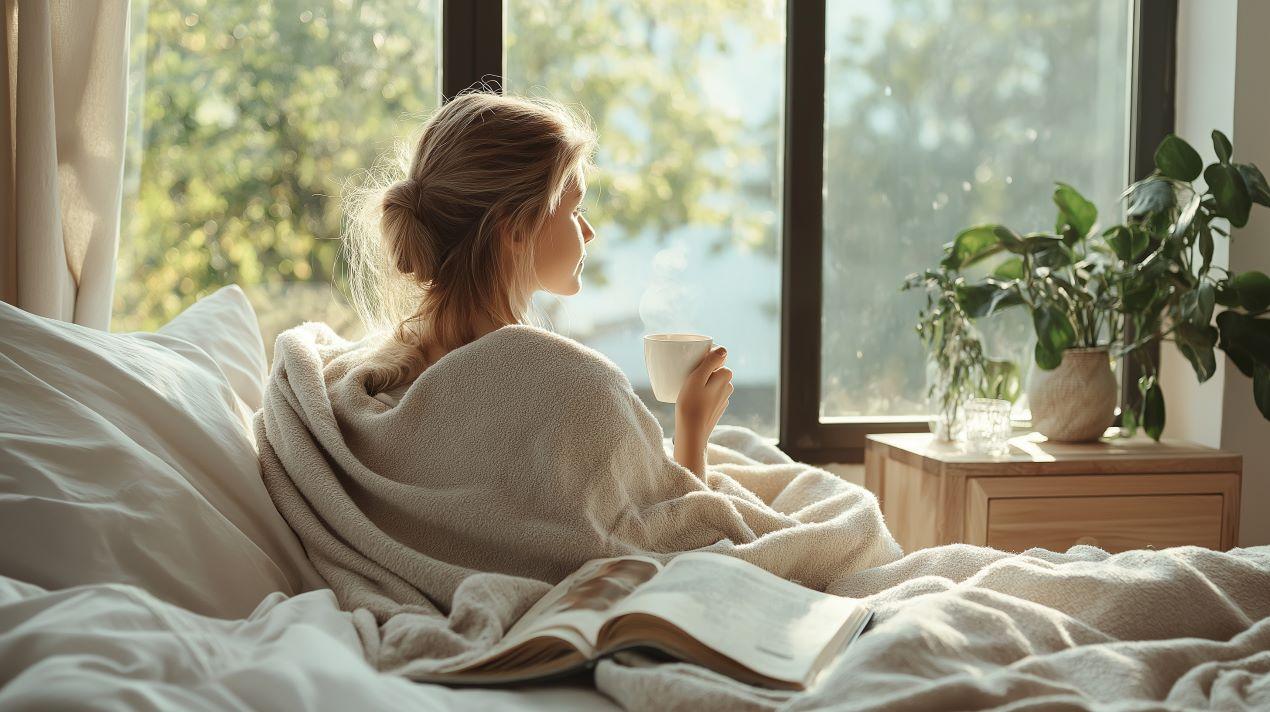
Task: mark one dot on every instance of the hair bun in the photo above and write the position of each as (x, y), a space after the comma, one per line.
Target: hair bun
(411, 247)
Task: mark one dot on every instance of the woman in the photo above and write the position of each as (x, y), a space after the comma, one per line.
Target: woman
(469, 441)
(490, 212)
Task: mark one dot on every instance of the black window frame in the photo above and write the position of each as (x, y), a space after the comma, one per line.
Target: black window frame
(471, 46)
(472, 54)
(803, 435)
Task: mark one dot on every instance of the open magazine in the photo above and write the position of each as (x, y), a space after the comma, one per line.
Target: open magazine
(713, 610)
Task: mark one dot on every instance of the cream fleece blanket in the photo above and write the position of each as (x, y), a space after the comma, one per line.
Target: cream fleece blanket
(505, 466)
(401, 530)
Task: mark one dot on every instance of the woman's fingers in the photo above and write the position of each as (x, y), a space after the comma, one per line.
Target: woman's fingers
(720, 375)
(712, 360)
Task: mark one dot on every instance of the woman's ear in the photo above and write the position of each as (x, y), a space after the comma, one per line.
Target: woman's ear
(518, 240)
(515, 239)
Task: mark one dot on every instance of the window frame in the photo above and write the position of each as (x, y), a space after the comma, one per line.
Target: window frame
(803, 435)
(472, 52)
(471, 45)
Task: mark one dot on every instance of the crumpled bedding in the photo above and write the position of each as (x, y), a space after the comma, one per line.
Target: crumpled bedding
(957, 627)
(116, 647)
(964, 627)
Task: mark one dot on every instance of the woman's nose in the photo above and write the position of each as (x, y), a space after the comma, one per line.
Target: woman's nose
(588, 232)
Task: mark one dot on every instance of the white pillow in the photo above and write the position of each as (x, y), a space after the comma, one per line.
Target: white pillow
(224, 325)
(125, 458)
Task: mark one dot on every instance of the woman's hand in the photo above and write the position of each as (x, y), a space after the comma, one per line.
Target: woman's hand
(702, 400)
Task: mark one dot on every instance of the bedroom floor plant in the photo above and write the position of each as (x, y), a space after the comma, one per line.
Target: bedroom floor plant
(1147, 280)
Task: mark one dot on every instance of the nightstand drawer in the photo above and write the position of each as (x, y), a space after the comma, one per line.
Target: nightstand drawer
(1111, 523)
(1112, 512)
(1118, 493)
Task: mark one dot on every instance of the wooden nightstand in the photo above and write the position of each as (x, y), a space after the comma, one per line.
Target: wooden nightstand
(1116, 494)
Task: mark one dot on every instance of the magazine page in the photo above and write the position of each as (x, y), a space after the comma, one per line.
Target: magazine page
(766, 623)
(576, 608)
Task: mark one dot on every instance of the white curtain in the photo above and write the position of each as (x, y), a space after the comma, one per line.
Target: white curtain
(65, 75)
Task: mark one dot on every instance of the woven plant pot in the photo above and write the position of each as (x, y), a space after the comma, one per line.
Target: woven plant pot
(1075, 402)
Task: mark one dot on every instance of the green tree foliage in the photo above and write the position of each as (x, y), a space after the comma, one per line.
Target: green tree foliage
(252, 117)
(667, 158)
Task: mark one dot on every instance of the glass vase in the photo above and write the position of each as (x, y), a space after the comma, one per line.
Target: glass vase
(947, 410)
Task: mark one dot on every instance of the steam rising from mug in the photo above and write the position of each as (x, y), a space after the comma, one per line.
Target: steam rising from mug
(669, 303)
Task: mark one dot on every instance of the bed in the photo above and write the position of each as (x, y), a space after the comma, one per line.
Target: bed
(143, 566)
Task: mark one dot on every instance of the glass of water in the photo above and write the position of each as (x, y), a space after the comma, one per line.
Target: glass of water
(987, 426)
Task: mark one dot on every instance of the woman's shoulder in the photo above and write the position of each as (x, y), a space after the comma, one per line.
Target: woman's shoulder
(534, 347)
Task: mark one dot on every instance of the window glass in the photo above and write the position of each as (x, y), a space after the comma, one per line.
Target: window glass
(688, 102)
(940, 115)
(245, 118)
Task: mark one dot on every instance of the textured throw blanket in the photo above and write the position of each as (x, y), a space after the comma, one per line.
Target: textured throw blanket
(523, 454)
(506, 465)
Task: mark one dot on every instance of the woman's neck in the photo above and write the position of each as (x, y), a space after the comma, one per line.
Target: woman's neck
(434, 350)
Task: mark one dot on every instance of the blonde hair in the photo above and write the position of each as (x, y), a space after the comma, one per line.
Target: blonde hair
(430, 253)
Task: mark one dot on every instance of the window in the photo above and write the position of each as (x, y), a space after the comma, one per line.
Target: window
(768, 171)
(938, 116)
(686, 195)
(245, 118)
(910, 120)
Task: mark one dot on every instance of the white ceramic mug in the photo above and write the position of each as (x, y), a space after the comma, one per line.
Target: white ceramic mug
(670, 358)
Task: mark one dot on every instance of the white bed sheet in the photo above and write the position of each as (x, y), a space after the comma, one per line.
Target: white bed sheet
(114, 646)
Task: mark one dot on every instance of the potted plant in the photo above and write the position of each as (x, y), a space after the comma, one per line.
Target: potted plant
(958, 370)
(1095, 295)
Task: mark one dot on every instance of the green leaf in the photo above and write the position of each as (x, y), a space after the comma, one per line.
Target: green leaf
(1196, 305)
(1128, 423)
(1047, 359)
(1141, 240)
(1074, 210)
(1226, 294)
(1206, 302)
(1196, 344)
(1054, 255)
(1008, 238)
(971, 245)
(1002, 379)
(1228, 189)
(987, 297)
(1261, 389)
(1245, 339)
(1054, 333)
(1033, 242)
(1176, 159)
(1149, 196)
(1153, 412)
(1255, 183)
(1009, 269)
(1221, 145)
(1185, 218)
(1120, 240)
(1253, 288)
(1138, 292)
(1127, 242)
(1205, 251)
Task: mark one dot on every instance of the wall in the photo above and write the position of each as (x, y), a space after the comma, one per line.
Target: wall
(1222, 56)
(1244, 430)
(1205, 91)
